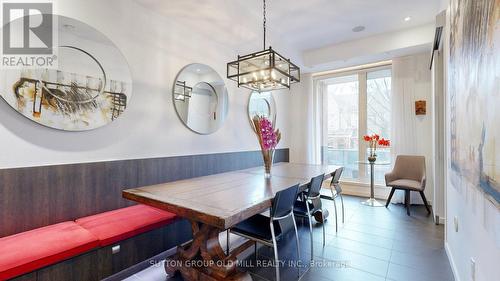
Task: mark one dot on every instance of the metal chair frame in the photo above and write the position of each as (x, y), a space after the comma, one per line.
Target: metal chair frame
(310, 199)
(334, 196)
(273, 242)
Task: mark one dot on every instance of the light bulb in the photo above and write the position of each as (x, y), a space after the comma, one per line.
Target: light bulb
(273, 74)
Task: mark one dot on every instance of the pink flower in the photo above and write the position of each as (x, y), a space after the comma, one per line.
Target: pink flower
(269, 138)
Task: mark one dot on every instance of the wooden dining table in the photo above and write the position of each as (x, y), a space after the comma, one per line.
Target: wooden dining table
(215, 203)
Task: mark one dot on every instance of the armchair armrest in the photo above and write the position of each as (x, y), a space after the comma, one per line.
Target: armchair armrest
(423, 182)
(391, 176)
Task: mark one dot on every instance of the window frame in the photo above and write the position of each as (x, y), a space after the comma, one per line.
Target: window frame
(362, 75)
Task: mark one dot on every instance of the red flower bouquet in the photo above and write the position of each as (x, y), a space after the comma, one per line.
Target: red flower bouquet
(374, 141)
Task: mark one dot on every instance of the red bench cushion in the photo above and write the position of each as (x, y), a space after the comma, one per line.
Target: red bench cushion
(27, 251)
(113, 226)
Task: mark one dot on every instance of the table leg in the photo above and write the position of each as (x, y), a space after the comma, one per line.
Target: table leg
(204, 259)
(372, 202)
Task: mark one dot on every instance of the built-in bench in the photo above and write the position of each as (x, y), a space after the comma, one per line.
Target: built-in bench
(90, 248)
(33, 198)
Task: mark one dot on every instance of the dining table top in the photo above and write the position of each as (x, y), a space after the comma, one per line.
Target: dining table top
(225, 199)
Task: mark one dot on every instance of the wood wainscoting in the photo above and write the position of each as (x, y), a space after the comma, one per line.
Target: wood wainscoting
(33, 197)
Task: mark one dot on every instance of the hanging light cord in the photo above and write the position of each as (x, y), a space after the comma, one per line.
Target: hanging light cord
(264, 24)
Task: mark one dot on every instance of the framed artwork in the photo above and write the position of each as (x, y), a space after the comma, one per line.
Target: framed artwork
(90, 87)
(421, 107)
(474, 92)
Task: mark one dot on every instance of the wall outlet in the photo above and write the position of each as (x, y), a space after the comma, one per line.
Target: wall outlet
(455, 223)
(472, 269)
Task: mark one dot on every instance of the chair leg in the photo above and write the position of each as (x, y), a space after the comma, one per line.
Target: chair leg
(255, 252)
(324, 232)
(407, 201)
(298, 243)
(227, 242)
(336, 222)
(425, 202)
(342, 201)
(275, 247)
(390, 197)
(310, 230)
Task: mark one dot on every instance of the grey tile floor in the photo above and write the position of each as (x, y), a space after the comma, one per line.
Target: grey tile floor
(372, 244)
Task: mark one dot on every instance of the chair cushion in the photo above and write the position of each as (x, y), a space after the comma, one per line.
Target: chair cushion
(257, 227)
(113, 226)
(27, 251)
(407, 184)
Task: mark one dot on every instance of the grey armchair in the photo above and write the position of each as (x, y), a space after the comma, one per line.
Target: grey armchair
(408, 175)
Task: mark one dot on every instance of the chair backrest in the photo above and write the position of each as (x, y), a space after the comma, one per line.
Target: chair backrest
(336, 178)
(411, 167)
(283, 202)
(315, 186)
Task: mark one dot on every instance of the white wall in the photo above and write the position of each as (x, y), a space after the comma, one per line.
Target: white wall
(301, 107)
(369, 49)
(478, 234)
(413, 134)
(156, 48)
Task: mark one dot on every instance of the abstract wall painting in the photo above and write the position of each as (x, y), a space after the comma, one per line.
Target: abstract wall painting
(474, 90)
(90, 87)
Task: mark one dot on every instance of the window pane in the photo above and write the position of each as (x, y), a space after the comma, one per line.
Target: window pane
(343, 112)
(378, 93)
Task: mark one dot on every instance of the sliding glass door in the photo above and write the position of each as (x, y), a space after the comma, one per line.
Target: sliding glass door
(356, 104)
(342, 120)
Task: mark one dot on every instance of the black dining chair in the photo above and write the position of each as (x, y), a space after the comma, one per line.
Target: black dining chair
(254, 228)
(336, 190)
(310, 204)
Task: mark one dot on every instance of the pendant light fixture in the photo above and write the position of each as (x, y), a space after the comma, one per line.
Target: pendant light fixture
(265, 70)
(182, 91)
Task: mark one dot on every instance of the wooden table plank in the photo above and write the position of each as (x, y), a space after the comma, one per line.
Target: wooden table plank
(223, 200)
(295, 170)
(217, 202)
(220, 200)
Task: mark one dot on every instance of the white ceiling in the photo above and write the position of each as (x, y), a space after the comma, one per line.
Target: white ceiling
(297, 25)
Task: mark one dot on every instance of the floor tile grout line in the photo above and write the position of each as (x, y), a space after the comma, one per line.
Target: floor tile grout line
(387, 272)
(357, 267)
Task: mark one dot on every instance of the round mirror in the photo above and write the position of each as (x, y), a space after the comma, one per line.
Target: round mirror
(89, 86)
(262, 104)
(200, 98)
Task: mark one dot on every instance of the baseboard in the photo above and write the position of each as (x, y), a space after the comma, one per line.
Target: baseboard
(363, 190)
(452, 261)
(140, 266)
(442, 220)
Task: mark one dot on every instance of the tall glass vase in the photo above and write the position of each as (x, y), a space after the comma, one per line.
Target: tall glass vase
(268, 161)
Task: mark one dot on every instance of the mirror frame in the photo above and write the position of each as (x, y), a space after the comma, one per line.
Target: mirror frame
(216, 94)
(271, 108)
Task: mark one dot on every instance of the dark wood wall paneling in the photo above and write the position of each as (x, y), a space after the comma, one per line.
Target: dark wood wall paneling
(38, 196)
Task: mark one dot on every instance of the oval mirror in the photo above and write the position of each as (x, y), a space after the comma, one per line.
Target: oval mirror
(262, 104)
(89, 87)
(200, 98)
